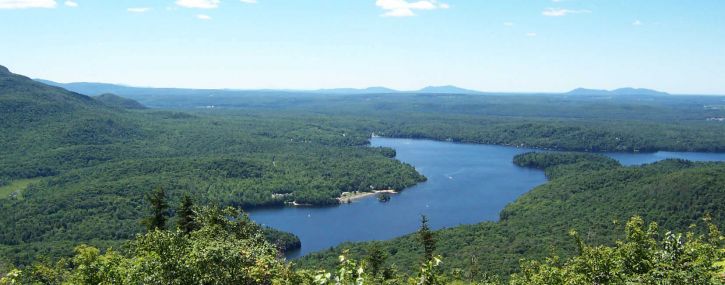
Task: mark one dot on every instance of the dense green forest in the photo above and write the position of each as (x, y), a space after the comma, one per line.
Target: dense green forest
(76, 169)
(551, 121)
(116, 101)
(588, 193)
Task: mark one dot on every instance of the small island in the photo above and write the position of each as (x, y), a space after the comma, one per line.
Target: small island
(383, 197)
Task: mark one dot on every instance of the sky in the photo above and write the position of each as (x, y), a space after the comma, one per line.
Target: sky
(490, 45)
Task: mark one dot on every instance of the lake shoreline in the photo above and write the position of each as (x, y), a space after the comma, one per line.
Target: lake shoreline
(349, 197)
(486, 180)
(543, 148)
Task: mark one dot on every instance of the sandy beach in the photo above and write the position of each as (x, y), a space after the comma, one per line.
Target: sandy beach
(348, 197)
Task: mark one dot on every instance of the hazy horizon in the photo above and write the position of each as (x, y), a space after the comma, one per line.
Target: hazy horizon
(368, 87)
(513, 46)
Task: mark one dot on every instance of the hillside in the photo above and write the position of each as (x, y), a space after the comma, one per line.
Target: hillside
(48, 128)
(590, 193)
(116, 101)
(84, 168)
(24, 101)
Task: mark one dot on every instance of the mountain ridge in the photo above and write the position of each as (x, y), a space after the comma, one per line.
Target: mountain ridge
(22, 94)
(95, 88)
(625, 91)
(446, 89)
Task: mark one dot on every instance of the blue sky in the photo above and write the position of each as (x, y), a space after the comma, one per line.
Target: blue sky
(491, 45)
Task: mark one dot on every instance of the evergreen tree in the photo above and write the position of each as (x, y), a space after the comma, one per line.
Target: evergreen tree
(159, 208)
(376, 258)
(186, 215)
(426, 239)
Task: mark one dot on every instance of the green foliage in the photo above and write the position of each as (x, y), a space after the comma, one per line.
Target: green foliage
(116, 101)
(159, 210)
(14, 189)
(227, 249)
(556, 164)
(643, 257)
(375, 258)
(426, 239)
(348, 273)
(429, 273)
(186, 215)
(282, 241)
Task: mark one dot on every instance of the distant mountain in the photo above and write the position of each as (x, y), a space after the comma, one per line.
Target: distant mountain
(92, 89)
(639, 91)
(113, 100)
(585, 91)
(448, 89)
(617, 92)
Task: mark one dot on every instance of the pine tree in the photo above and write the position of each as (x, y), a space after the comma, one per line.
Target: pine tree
(186, 215)
(159, 208)
(426, 239)
(376, 258)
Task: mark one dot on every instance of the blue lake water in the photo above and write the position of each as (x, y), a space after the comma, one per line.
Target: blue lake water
(467, 184)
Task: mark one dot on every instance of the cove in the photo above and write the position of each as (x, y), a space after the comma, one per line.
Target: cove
(467, 184)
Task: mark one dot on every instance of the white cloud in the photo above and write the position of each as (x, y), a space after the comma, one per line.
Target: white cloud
(200, 4)
(138, 9)
(637, 23)
(71, 4)
(405, 8)
(249, 1)
(558, 12)
(23, 4)
(508, 24)
(203, 17)
(531, 34)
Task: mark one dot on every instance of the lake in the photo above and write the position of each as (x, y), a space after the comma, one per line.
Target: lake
(467, 184)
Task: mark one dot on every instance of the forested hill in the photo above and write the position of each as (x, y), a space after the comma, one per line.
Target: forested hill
(75, 170)
(18, 86)
(116, 101)
(589, 193)
(47, 129)
(24, 101)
